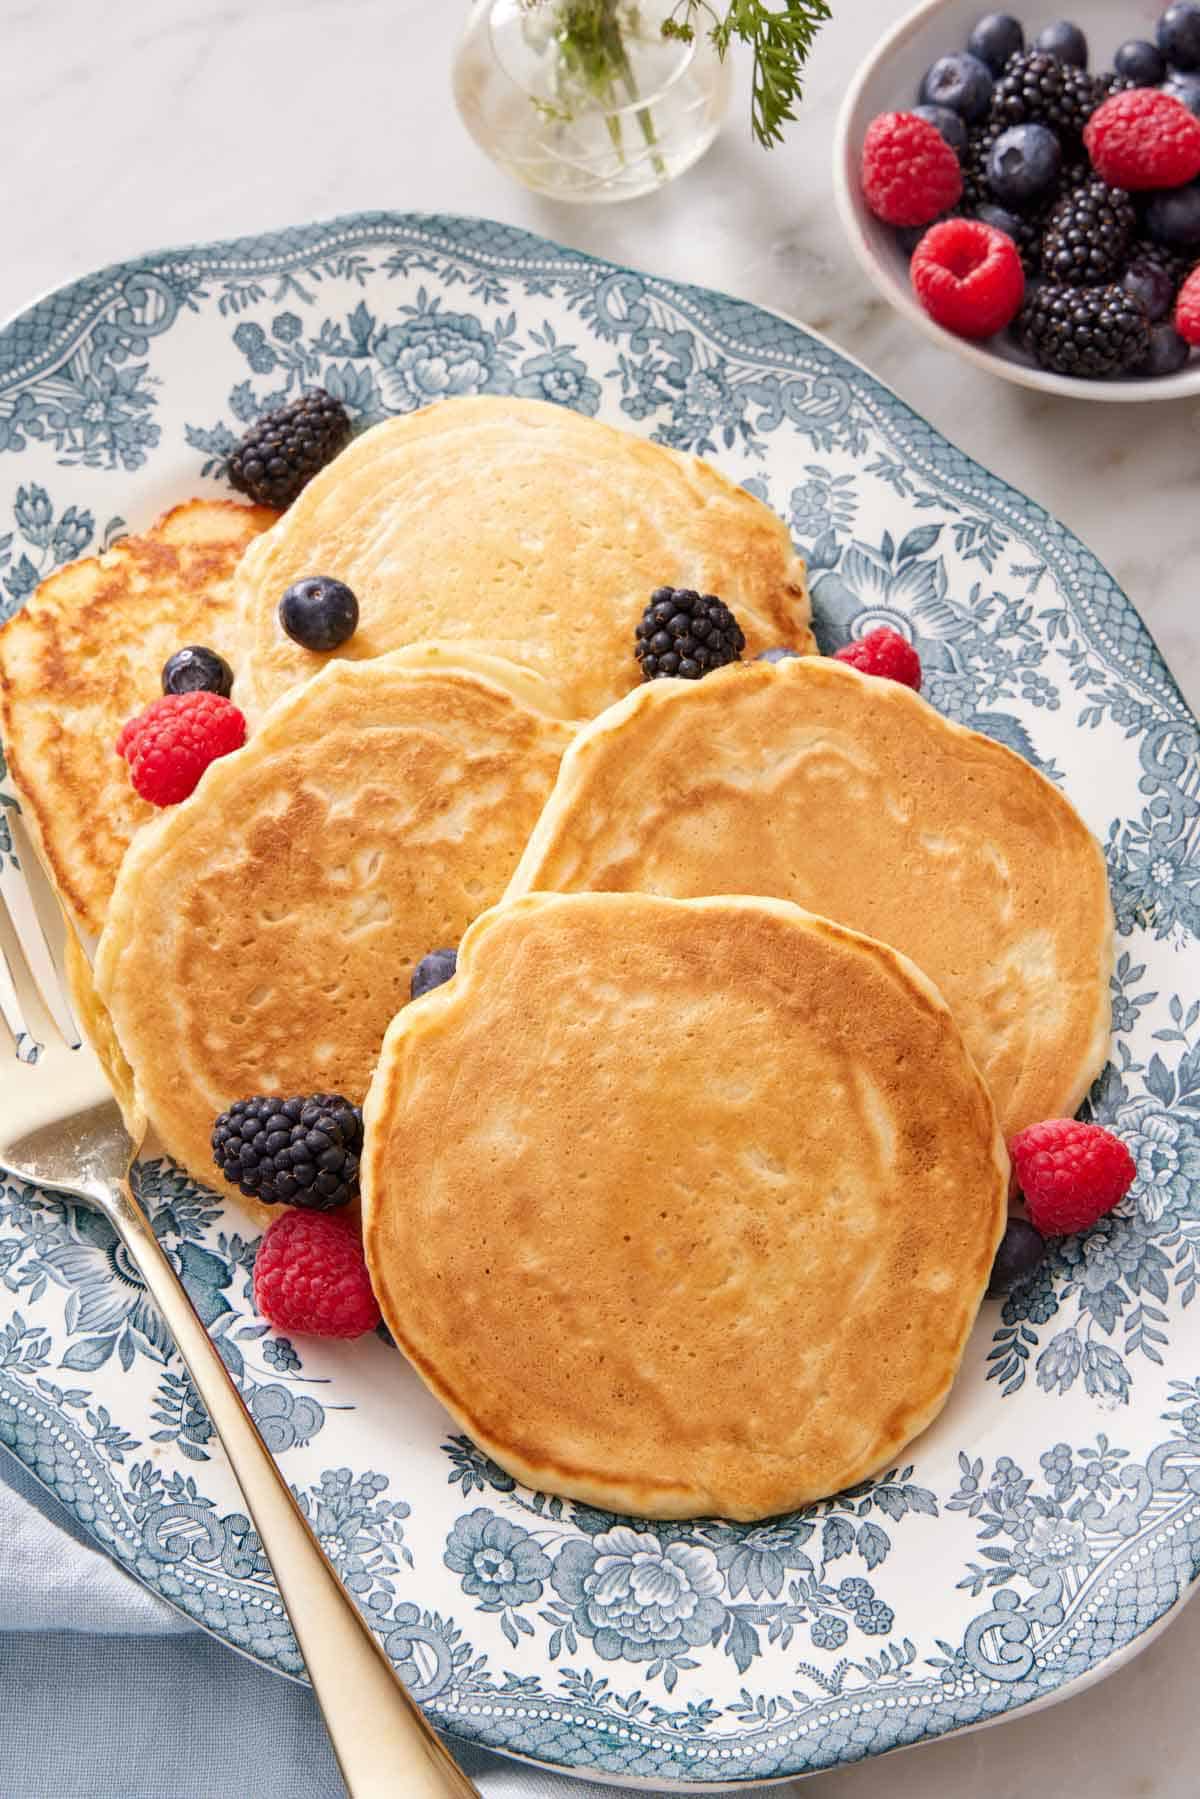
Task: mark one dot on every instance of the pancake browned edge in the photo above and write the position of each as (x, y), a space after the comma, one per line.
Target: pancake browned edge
(681, 1207)
(853, 797)
(86, 654)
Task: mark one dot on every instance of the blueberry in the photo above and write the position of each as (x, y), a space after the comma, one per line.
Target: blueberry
(1020, 1252)
(1000, 220)
(1185, 88)
(996, 37)
(1152, 286)
(1167, 354)
(1140, 62)
(1064, 40)
(195, 669)
(949, 123)
(962, 83)
(319, 613)
(1179, 35)
(1173, 216)
(1023, 163)
(433, 970)
(780, 654)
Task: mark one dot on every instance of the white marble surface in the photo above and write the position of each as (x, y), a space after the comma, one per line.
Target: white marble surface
(124, 128)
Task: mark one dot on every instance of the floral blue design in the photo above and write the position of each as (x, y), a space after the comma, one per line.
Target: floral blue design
(434, 354)
(360, 1532)
(284, 1418)
(1167, 1157)
(557, 374)
(821, 503)
(500, 1563)
(280, 1354)
(654, 1651)
(637, 1598)
(47, 541)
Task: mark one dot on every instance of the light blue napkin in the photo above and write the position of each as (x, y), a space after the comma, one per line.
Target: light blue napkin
(106, 1693)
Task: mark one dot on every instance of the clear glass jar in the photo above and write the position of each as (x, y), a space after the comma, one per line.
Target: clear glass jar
(586, 99)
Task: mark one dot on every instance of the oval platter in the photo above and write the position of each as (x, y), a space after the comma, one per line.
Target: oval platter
(1051, 1519)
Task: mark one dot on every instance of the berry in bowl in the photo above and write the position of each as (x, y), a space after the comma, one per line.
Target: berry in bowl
(1027, 190)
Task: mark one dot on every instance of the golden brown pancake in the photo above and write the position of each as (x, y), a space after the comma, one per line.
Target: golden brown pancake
(86, 654)
(525, 529)
(97, 1026)
(681, 1207)
(262, 933)
(854, 798)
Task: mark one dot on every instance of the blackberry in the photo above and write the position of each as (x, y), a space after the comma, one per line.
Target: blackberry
(296, 1152)
(1087, 234)
(1088, 331)
(977, 189)
(283, 450)
(1076, 172)
(1037, 89)
(687, 634)
(1110, 83)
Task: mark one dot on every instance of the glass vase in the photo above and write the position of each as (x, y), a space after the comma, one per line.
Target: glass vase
(586, 100)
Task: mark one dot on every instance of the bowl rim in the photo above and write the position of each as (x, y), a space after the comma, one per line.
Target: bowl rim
(847, 196)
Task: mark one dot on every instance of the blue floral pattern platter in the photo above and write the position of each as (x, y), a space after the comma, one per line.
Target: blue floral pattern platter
(1052, 1516)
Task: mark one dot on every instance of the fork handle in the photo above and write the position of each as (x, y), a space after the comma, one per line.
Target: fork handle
(383, 1744)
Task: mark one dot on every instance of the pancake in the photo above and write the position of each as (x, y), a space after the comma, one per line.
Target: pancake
(523, 528)
(262, 934)
(86, 654)
(851, 796)
(681, 1207)
(97, 1027)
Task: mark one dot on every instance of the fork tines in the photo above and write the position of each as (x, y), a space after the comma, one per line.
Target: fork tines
(27, 960)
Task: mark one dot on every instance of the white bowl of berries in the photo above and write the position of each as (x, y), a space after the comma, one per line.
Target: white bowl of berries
(1027, 190)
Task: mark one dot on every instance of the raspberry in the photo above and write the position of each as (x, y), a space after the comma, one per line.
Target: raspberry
(909, 172)
(968, 277)
(1070, 1173)
(885, 653)
(310, 1277)
(1143, 139)
(1187, 309)
(170, 744)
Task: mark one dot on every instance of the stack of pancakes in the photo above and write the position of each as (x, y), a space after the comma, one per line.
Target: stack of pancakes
(756, 974)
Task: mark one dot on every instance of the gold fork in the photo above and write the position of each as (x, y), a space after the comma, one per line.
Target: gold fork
(61, 1128)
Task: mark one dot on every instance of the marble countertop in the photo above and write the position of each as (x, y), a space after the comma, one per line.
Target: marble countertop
(126, 129)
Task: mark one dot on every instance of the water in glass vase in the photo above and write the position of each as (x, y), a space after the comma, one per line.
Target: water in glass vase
(586, 99)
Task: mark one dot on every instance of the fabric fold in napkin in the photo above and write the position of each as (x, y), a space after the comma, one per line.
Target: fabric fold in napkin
(108, 1693)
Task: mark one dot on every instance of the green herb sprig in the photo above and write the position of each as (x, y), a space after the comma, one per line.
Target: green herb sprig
(781, 39)
(591, 39)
